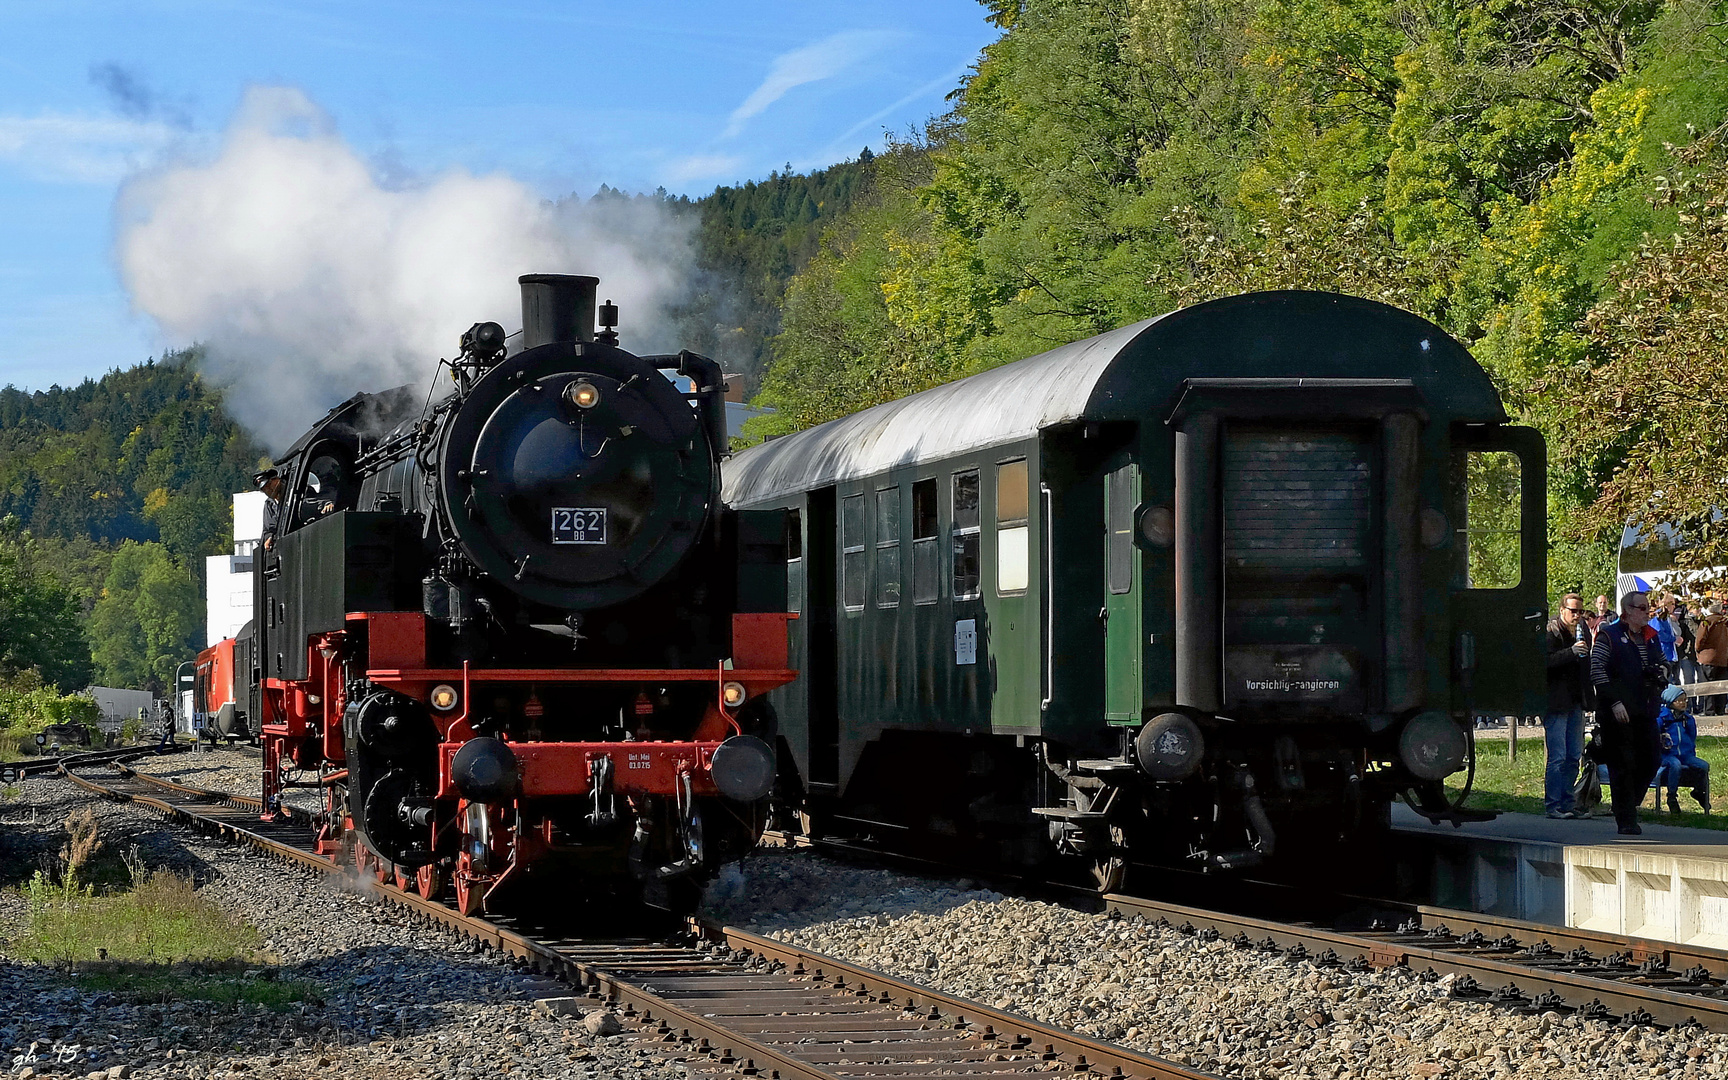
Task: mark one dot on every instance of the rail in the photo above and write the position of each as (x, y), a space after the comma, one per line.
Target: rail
(1602, 976)
(750, 1005)
(13, 771)
(1506, 961)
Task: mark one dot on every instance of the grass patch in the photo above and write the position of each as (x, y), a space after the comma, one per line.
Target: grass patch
(1504, 784)
(162, 920)
(250, 988)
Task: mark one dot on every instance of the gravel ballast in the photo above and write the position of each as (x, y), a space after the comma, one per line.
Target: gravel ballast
(1206, 1004)
(397, 1000)
(428, 1007)
(225, 768)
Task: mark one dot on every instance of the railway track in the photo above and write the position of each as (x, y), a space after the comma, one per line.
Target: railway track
(13, 771)
(721, 1001)
(1507, 962)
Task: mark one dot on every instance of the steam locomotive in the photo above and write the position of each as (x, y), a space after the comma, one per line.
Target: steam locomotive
(1212, 590)
(513, 632)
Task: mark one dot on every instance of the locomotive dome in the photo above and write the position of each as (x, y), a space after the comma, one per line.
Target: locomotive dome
(1296, 342)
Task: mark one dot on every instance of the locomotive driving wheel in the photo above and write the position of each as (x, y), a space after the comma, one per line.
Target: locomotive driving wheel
(429, 881)
(470, 894)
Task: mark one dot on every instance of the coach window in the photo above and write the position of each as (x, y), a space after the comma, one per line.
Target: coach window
(794, 561)
(966, 535)
(1013, 554)
(1489, 535)
(926, 571)
(1119, 547)
(888, 547)
(852, 557)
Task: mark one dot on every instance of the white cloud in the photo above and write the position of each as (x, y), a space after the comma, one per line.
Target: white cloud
(307, 279)
(81, 149)
(812, 63)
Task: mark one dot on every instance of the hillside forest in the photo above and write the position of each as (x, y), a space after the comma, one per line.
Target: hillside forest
(111, 494)
(1545, 179)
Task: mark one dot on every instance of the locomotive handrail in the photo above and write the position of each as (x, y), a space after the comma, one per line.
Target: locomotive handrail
(547, 675)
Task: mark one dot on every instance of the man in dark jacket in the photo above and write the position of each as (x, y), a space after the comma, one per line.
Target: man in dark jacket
(270, 483)
(1569, 640)
(1627, 675)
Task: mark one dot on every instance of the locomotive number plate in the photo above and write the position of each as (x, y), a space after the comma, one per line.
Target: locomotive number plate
(578, 525)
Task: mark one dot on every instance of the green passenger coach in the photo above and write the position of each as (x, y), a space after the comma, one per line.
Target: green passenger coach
(1217, 584)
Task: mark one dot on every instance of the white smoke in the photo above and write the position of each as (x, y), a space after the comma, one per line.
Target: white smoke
(307, 280)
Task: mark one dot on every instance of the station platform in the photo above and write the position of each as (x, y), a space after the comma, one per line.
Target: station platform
(1670, 883)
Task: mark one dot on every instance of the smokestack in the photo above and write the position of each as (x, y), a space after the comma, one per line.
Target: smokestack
(557, 307)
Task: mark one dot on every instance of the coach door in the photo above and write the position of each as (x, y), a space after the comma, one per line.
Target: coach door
(820, 673)
(1499, 545)
(1121, 611)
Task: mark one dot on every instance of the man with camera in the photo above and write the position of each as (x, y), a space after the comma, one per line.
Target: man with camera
(1628, 677)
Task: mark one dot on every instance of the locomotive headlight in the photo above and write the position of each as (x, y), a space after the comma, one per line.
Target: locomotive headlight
(443, 697)
(583, 394)
(732, 694)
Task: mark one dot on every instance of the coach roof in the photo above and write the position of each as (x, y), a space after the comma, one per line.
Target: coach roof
(1132, 373)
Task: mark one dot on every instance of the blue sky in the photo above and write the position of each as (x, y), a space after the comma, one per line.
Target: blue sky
(561, 96)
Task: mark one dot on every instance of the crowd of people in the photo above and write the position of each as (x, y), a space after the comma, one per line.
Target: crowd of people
(1629, 670)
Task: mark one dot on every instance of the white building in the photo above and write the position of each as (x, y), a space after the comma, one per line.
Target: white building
(228, 578)
(119, 705)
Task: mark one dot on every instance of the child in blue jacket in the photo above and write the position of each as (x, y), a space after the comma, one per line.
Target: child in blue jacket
(1679, 731)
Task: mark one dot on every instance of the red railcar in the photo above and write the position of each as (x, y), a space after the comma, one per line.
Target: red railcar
(219, 691)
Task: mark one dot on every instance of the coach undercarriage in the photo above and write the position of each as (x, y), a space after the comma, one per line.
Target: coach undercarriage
(1253, 795)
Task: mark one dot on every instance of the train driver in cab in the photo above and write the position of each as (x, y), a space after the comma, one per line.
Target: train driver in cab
(270, 483)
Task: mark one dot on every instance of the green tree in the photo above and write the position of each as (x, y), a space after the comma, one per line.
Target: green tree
(41, 629)
(148, 620)
(865, 322)
(1646, 394)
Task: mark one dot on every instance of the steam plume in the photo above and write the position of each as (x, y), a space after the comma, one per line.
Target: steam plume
(307, 280)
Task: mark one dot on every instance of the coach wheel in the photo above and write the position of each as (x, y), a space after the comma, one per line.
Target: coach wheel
(429, 881)
(1110, 866)
(1109, 873)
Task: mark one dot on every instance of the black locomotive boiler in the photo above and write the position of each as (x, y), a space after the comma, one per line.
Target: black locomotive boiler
(1211, 588)
(513, 629)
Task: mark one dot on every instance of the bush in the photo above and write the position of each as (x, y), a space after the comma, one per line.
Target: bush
(27, 707)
